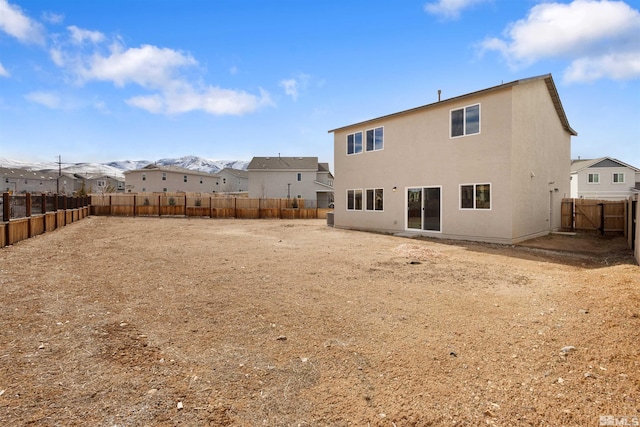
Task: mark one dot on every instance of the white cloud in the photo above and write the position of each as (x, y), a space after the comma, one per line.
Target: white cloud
(590, 69)
(78, 35)
(4, 72)
(15, 23)
(52, 18)
(147, 66)
(88, 56)
(450, 8)
(290, 87)
(183, 98)
(48, 99)
(600, 38)
(295, 85)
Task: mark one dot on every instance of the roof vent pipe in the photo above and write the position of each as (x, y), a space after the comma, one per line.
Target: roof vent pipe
(439, 92)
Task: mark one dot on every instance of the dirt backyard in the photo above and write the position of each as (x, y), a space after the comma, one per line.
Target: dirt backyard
(190, 322)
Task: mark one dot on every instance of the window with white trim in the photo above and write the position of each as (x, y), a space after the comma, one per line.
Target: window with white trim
(618, 178)
(375, 199)
(465, 121)
(164, 176)
(375, 139)
(185, 178)
(475, 196)
(144, 177)
(354, 143)
(354, 200)
(593, 178)
(299, 176)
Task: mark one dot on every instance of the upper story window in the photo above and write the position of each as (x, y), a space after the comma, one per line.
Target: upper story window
(618, 178)
(185, 178)
(164, 176)
(465, 121)
(200, 180)
(354, 143)
(101, 183)
(375, 139)
(475, 196)
(299, 176)
(593, 178)
(120, 185)
(144, 177)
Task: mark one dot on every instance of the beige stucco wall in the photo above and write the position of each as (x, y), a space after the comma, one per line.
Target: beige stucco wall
(541, 162)
(267, 184)
(418, 152)
(174, 182)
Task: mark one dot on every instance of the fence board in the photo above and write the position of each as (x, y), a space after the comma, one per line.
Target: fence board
(37, 225)
(17, 230)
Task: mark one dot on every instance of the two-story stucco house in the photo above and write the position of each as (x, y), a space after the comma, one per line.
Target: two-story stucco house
(19, 181)
(99, 183)
(604, 178)
(491, 166)
(155, 179)
(229, 180)
(291, 177)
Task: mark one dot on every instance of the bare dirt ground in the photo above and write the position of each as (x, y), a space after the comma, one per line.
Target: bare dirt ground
(189, 322)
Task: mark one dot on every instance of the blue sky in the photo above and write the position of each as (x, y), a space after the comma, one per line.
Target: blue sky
(107, 80)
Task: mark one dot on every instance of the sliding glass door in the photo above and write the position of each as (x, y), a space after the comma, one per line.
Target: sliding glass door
(423, 208)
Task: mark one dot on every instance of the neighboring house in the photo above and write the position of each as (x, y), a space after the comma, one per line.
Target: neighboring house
(291, 177)
(604, 179)
(230, 180)
(153, 178)
(99, 183)
(20, 181)
(491, 166)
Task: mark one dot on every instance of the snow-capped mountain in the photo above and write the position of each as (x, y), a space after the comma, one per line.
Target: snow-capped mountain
(116, 168)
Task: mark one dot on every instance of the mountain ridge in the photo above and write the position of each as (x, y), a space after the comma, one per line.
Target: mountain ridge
(118, 167)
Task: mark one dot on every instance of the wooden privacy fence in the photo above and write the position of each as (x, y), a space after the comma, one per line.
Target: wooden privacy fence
(27, 215)
(203, 205)
(602, 216)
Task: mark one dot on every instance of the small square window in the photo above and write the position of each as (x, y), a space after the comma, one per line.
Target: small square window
(354, 200)
(475, 196)
(354, 143)
(465, 121)
(593, 178)
(375, 140)
(375, 199)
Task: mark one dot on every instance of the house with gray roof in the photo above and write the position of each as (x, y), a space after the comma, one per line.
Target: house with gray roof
(604, 178)
(491, 165)
(291, 177)
(154, 178)
(20, 181)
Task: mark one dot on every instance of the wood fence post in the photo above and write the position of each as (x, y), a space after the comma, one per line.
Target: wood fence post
(159, 199)
(184, 208)
(43, 203)
(6, 207)
(27, 203)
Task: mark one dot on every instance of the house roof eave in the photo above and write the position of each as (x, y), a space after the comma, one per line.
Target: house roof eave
(551, 87)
